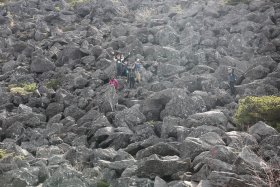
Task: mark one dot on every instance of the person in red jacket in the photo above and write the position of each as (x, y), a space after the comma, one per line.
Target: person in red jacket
(114, 82)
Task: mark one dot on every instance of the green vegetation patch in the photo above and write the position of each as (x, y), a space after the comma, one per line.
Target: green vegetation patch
(253, 109)
(103, 183)
(3, 153)
(74, 3)
(23, 89)
(235, 2)
(53, 84)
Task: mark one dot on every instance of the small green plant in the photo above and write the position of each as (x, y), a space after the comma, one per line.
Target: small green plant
(53, 84)
(22, 89)
(3, 153)
(74, 3)
(144, 14)
(103, 183)
(235, 2)
(253, 109)
(177, 9)
(57, 8)
(152, 122)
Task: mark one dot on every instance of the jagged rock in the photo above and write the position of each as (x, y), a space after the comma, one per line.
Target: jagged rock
(192, 147)
(21, 177)
(246, 160)
(261, 130)
(169, 126)
(169, 69)
(74, 112)
(213, 118)
(152, 167)
(219, 178)
(53, 109)
(128, 181)
(160, 182)
(219, 152)
(238, 140)
(129, 117)
(41, 64)
(183, 106)
(167, 36)
(162, 149)
(66, 176)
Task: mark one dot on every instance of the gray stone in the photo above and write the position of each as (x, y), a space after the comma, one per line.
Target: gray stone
(192, 147)
(66, 177)
(169, 69)
(41, 64)
(54, 109)
(74, 112)
(213, 118)
(163, 168)
(162, 149)
(183, 106)
(220, 179)
(130, 117)
(160, 182)
(261, 130)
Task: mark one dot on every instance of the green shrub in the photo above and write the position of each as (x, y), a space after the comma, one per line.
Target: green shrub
(235, 2)
(53, 84)
(103, 183)
(3, 153)
(22, 89)
(74, 3)
(253, 109)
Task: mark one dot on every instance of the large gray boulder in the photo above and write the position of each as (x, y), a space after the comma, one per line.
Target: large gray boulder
(247, 160)
(212, 118)
(129, 117)
(167, 36)
(261, 130)
(53, 109)
(162, 149)
(169, 69)
(183, 106)
(66, 176)
(41, 64)
(192, 147)
(167, 166)
(221, 178)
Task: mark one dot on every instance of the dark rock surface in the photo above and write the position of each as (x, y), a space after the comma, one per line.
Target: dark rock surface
(174, 129)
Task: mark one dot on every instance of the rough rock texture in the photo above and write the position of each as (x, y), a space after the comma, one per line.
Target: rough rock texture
(175, 128)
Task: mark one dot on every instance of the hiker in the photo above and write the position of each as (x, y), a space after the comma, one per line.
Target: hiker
(114, 82)
(119, 63)
(137, 70)
(231, 80)
(131, 76)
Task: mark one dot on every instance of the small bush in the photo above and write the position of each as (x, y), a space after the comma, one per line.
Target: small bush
(53, 84)
(177, 9)
(3, 153)
(103, 183)
(253, 109)
(144, 14)
(74, 3)
(22, 89)
(235, 2)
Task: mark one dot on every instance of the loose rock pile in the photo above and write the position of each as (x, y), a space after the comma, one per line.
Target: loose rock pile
(174, 130)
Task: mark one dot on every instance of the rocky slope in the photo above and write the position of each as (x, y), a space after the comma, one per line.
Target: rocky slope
(174, 130)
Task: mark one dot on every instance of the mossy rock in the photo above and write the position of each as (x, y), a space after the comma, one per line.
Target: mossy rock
(253, 109)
